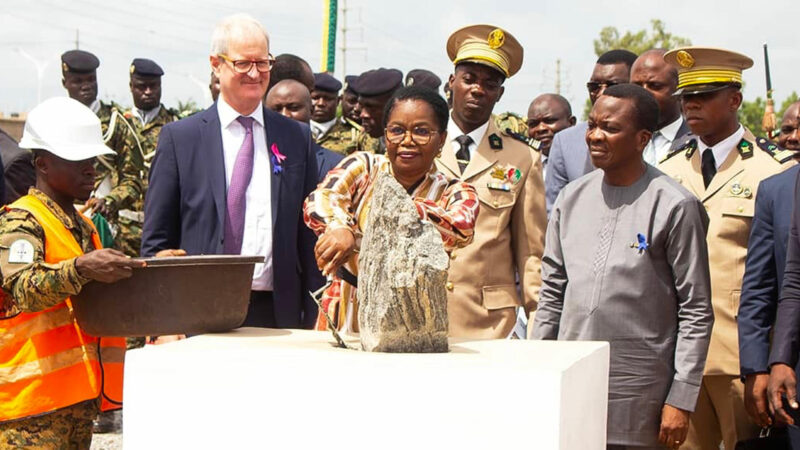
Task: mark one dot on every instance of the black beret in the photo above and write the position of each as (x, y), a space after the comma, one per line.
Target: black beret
(325, 82)
(422, 77)
(378, 82)
(146, 68)
(349, 80)
(79, 61)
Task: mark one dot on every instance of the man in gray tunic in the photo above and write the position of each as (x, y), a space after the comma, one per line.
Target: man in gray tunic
(626, 262)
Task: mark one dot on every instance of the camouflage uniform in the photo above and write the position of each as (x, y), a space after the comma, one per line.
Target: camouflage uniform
(342, 137)
(69, 427)
(38, 285)
(129, 223)
(124, 171)
(509, 120)
(35, 287)
(366, 143)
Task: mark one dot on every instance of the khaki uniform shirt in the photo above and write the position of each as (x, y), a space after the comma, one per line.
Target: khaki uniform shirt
(508, 239)
(729, 201)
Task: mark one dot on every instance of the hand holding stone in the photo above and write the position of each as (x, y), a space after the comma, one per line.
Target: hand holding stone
(333, 248)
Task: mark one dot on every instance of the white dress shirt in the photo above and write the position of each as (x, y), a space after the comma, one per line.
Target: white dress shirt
(95, 106)
(453, 131)
(723, 147)
(320, 129)
(660, 143)
(146, 117)
(257, 239)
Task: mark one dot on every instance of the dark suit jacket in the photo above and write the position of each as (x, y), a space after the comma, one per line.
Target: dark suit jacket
(764, 267)
(786, 340)
(186, 201)
(326, 160)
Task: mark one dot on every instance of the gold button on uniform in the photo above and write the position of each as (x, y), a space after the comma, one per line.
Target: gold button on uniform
(740, 209)
(449, 285)
(453, 256)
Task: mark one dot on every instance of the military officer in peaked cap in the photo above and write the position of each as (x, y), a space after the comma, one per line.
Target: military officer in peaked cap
(334, 133)
(374, 89)
(507, 174)
(722, 163)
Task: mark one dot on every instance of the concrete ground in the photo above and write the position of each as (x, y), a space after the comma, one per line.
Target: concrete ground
(107, 441)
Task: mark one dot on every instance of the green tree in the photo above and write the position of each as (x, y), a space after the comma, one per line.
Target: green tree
(640, 41)
(751, 112)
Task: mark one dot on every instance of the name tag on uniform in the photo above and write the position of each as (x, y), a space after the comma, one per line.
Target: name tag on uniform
(20, 252)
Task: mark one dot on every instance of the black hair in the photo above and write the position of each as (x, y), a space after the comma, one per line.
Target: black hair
(421, 93)
(644, 104)
(291, 67)
(617, 56)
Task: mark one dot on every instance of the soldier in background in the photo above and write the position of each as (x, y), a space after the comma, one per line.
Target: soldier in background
(119, 179)
(375, 88)
(337, 134)
(147, 116)
(350, 101)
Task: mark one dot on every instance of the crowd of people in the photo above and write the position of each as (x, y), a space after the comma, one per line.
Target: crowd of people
(660, 224)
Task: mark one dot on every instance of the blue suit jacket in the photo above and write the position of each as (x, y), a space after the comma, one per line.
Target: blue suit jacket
(764, 267)
(569, 160)
(327, 160)
(186, 202)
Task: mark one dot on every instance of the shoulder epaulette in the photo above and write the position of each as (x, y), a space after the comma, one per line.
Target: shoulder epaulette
(530, 142)
(688, 148)
(774, 150)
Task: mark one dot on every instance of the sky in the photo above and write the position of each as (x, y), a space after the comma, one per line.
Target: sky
(404, 35)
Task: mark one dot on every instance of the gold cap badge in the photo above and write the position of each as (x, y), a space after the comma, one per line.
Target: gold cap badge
(684, 59)
(132, 68)
(496, 38)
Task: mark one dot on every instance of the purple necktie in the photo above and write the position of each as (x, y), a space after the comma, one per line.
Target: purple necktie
(237, 190)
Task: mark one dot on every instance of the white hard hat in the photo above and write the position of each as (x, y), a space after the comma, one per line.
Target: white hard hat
(65, 128)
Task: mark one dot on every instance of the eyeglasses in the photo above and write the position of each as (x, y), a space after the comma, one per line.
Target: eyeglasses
(419, 135)
(244, 65)
(594, 86)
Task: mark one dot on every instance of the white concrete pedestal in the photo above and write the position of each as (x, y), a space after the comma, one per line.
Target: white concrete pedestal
(258, 388)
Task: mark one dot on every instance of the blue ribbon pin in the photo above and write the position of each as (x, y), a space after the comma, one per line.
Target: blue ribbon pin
(642, 242)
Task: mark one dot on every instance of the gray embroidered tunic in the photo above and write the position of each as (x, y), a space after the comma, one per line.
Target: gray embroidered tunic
(629, 265)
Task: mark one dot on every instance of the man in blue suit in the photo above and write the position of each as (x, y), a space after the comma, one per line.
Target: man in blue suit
(232, 180)
(763, 277)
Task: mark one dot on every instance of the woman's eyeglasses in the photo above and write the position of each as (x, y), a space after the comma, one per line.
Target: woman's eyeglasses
(419, 135)
(245, 65)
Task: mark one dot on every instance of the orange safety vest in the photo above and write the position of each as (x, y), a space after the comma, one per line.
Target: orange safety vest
(46, 361)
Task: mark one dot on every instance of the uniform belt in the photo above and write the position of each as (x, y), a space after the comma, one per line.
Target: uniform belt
(135, 216)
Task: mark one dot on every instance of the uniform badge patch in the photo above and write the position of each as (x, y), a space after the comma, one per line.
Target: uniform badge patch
(495, 142)
(20, 252)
